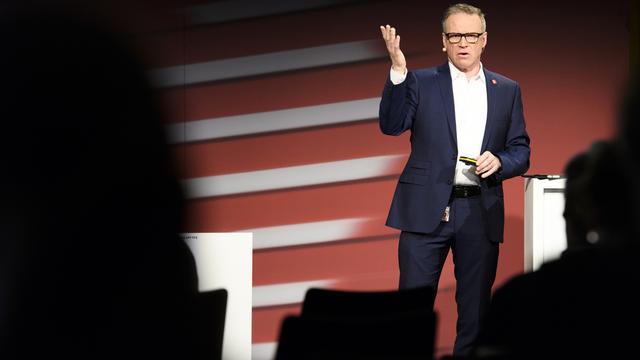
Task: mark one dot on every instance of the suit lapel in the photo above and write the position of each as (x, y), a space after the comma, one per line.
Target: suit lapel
(492, 92)
(446, 90)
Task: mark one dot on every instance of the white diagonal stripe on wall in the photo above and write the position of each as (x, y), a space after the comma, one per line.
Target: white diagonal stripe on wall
(268, 63)
(291, 177)
(269, 121)
(286, 293)
(264, 351)
(305, 233)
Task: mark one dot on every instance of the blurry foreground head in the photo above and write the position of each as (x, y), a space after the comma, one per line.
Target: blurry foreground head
(90, 210)
(599, 210)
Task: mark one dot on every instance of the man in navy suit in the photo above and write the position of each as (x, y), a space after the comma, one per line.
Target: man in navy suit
(456, 109)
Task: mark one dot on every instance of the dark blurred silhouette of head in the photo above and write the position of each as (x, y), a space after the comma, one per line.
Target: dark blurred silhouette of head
(598, 209)
(91, 262)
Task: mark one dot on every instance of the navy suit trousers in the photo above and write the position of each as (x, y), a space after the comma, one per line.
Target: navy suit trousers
(422, 256)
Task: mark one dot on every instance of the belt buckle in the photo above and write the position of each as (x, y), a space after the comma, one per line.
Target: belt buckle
(464, 191)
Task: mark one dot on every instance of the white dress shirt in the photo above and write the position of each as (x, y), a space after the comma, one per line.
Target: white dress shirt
(470, 105)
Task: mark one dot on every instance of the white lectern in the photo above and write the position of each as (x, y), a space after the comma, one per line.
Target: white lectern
(544, 227)
(224, 260)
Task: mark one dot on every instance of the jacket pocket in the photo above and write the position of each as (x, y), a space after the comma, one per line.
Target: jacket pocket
(418, 167)
(409, 178)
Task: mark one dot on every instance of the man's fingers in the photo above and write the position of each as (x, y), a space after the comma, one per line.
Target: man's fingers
(390, 36)
(485, 163)
(395, 39)
(482, 171)
(385, 32)
(483, 156)
(484, 159)
(489, 172)
(482, 163)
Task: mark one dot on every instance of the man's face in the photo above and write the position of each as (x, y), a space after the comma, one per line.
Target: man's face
(464, 55)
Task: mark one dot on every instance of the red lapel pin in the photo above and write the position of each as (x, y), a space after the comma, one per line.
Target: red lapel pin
(494, 82)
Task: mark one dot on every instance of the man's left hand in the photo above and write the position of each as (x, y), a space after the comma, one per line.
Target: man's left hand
(487, 164)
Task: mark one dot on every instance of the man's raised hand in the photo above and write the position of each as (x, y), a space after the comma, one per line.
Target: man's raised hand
(392, 40)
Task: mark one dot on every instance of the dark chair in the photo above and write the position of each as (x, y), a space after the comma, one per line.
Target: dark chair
(397, 325)
(328, 303)
(409, 338)
(212, 307)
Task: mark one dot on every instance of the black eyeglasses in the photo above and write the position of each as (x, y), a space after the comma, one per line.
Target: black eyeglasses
(471, 38)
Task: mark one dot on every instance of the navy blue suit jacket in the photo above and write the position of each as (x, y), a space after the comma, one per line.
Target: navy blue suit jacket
(423, 103)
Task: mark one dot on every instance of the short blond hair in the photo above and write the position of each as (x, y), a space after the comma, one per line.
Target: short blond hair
(463, 8)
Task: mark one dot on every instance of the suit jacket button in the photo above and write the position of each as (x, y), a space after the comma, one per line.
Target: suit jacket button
(453, 157)
(450, 182)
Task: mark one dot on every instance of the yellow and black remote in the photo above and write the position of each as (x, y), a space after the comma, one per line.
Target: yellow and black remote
(468, 160)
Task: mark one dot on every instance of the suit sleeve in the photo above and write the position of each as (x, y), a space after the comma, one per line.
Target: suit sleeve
(515, 156)
(398, 105)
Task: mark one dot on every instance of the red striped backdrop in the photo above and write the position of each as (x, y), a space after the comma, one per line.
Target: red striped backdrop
(569, 61)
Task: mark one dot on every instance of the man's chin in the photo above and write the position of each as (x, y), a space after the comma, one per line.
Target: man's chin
(463, 66)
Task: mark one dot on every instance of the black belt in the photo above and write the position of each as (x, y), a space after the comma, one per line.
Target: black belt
(463, 191)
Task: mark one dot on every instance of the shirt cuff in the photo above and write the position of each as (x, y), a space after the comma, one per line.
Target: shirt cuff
(396, 77)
